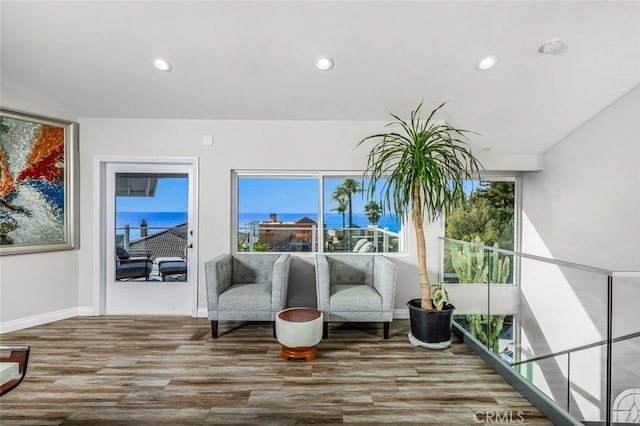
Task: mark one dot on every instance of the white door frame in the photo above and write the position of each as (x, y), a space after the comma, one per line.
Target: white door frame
(104, 254)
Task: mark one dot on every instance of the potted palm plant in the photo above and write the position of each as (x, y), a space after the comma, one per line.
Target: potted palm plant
(420, 167)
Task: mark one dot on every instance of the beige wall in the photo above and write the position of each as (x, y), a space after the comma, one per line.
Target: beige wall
(46, 286)
(38, 284)
(65, 280)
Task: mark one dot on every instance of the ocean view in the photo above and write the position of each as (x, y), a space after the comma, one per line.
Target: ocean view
(154, 220)
(170, 219)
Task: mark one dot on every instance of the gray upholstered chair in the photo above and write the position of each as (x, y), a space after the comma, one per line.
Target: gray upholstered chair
(246, 287)
(355, 287)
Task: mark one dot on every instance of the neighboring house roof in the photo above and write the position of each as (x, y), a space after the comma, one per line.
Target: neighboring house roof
(171, 242)
(306, 220)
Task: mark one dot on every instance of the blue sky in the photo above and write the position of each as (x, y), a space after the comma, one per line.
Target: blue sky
(265, 195)
(260, 195)
(171, 196)
(256, 195)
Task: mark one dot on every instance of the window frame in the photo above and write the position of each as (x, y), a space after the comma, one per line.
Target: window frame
(516, 178)
(236, 174)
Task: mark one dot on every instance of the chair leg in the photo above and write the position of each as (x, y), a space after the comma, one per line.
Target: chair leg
(274, 329)
(214, 329)
(385, 331)
(325, 330)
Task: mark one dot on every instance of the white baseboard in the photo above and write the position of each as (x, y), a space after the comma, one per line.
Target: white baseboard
(401, 313)
(22, 323)
(202, 313)
(87, 311)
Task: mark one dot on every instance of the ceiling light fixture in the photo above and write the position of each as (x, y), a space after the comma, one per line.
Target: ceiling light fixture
(486, 63)
(554, 46)
(162, 64)
(324, 63)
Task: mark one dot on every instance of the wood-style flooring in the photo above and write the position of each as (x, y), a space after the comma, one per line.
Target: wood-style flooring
(153, 370)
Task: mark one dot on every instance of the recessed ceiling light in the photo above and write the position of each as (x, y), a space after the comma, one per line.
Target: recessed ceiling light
(486, 63)
(324, 63)
(162, 64)
(554, 46)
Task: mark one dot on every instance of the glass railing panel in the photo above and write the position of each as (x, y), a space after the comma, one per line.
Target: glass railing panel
(558, 326)
(495, 332)
(561, 307)
(550, 376)
(470, 263)
(484, 313)
(625, 381)
(626, 298)
(625, 351)
(587, 380)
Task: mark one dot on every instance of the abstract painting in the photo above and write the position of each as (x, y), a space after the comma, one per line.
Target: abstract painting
(37, 179)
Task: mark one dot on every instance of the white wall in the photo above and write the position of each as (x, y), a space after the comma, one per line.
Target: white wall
(585, 206)
(259, 145)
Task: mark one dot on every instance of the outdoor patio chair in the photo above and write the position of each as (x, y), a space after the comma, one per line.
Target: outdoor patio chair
(359, 244)
(246, 286)
(128, 267)
(355, 288)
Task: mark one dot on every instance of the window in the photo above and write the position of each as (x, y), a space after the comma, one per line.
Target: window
(487, 216)
(312, 212)
(276, 213)
(355, 222)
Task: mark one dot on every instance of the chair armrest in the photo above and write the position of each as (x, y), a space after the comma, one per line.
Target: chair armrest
(384, 280)
(323, 282)
(19, 355)
(218, 278)
(280, 282)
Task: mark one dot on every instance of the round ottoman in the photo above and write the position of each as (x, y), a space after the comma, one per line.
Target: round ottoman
(299, 330)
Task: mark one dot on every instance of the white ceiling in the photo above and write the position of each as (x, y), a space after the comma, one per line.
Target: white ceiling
(255, 61)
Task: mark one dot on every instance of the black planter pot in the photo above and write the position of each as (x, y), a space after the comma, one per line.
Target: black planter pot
(430, 329)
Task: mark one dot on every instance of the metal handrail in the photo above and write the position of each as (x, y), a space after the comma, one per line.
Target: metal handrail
(578, 348)
(587, 268)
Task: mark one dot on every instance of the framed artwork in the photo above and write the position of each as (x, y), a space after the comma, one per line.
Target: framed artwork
(37, 183)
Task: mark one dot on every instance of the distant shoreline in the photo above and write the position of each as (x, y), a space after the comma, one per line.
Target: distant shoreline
(170, 219)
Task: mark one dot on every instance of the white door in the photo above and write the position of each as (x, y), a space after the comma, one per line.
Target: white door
(149, 239)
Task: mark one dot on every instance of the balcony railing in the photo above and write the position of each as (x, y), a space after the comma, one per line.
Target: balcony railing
(293, 237)
(570, 331)
(153, 241)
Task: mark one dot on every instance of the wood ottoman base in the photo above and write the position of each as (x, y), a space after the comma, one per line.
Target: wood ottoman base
(308, 353)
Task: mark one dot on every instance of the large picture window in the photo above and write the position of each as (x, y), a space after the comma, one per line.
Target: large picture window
(312, 212)
(487, 216)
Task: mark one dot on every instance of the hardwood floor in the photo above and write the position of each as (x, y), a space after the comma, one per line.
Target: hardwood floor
(168, 370)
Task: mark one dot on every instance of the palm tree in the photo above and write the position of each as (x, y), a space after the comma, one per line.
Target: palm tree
(373, 211)
(421, 169)
(342, 206)
(346, 189)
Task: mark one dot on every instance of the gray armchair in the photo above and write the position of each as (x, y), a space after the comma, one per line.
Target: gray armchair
(355, 287)
(246, 286)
